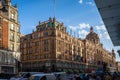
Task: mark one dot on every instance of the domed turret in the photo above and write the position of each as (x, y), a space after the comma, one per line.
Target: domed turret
(92, 36)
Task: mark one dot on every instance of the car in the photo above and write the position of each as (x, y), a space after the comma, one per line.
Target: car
(23, 75)
(84, 75)
(43, 76)
(61, 75)
(6, 76)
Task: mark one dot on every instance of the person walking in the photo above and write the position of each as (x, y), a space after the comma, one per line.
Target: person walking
(108, 76)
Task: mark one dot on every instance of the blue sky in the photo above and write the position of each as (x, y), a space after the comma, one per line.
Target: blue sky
(78, 15)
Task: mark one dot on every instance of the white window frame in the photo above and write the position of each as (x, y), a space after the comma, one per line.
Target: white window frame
(12, 46)
(12, 36)
(12, 26)
(12, 16)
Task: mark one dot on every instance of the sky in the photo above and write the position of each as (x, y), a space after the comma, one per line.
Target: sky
(78, 15)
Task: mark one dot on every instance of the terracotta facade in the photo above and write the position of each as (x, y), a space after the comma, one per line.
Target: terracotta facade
(51, 47)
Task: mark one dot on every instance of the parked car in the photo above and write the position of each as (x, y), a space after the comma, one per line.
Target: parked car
(61, 75)
(44, 76)
(6, 76)
(24, 75)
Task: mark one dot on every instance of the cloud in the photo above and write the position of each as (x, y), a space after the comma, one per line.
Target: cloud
(80, 1)
(82, 30)
(100, 35)
(74, 28)
(80, 26)
(102, 32)
(106, 35)
(101, 27)
(83, 33)
(90, 3)
(84, 25)
(86, 3)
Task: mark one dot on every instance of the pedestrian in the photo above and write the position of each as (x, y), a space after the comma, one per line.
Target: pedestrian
(98, 77)
(108, 76)
(78, 78)
(59, 77)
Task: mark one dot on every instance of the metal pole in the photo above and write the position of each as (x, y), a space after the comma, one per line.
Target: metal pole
(54, 7)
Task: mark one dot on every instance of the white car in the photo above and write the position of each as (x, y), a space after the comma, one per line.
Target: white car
(44, 76)
(24, 75)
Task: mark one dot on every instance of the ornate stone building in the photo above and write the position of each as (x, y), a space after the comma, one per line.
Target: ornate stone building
(51, 47)
(9, 28)
(96, 55)
(118, 66)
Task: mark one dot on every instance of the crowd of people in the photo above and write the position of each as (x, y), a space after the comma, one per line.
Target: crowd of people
(102, 76)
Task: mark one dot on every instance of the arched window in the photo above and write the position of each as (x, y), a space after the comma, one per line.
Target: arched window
(45, 33)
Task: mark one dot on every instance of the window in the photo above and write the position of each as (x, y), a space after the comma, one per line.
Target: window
(59, 49)
(52, 33)
(58, 41)
(36, 36)
(28, 57)
(0, 20)
(0, 43)
(0, 56)
(12, 47)
(18, 38)
(45, 33)
(59, 56)
(0, 33)
(28, 51)
(78, 49)
(36, 50)
(12, 16)
(36, 43)
(12, 26)
(45, 42)
(28, 44)
(12, 36)
(46, 48)
(66, 37)
(18, 48)
(36, 56)
(18, 29)
(59, 35)
(3, 58)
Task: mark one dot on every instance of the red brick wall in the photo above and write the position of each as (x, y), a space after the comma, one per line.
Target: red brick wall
(5, 34)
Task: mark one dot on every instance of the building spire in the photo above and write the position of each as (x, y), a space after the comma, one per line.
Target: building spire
(91, 29)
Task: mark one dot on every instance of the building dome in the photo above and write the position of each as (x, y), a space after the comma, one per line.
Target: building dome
(92, 36)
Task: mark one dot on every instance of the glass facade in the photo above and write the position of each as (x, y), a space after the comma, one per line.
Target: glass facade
(6, 58)
(7, 62)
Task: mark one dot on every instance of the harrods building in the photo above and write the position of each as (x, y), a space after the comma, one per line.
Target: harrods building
(50, 47)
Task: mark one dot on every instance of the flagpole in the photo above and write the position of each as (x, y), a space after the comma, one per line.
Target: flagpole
(54, 7)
